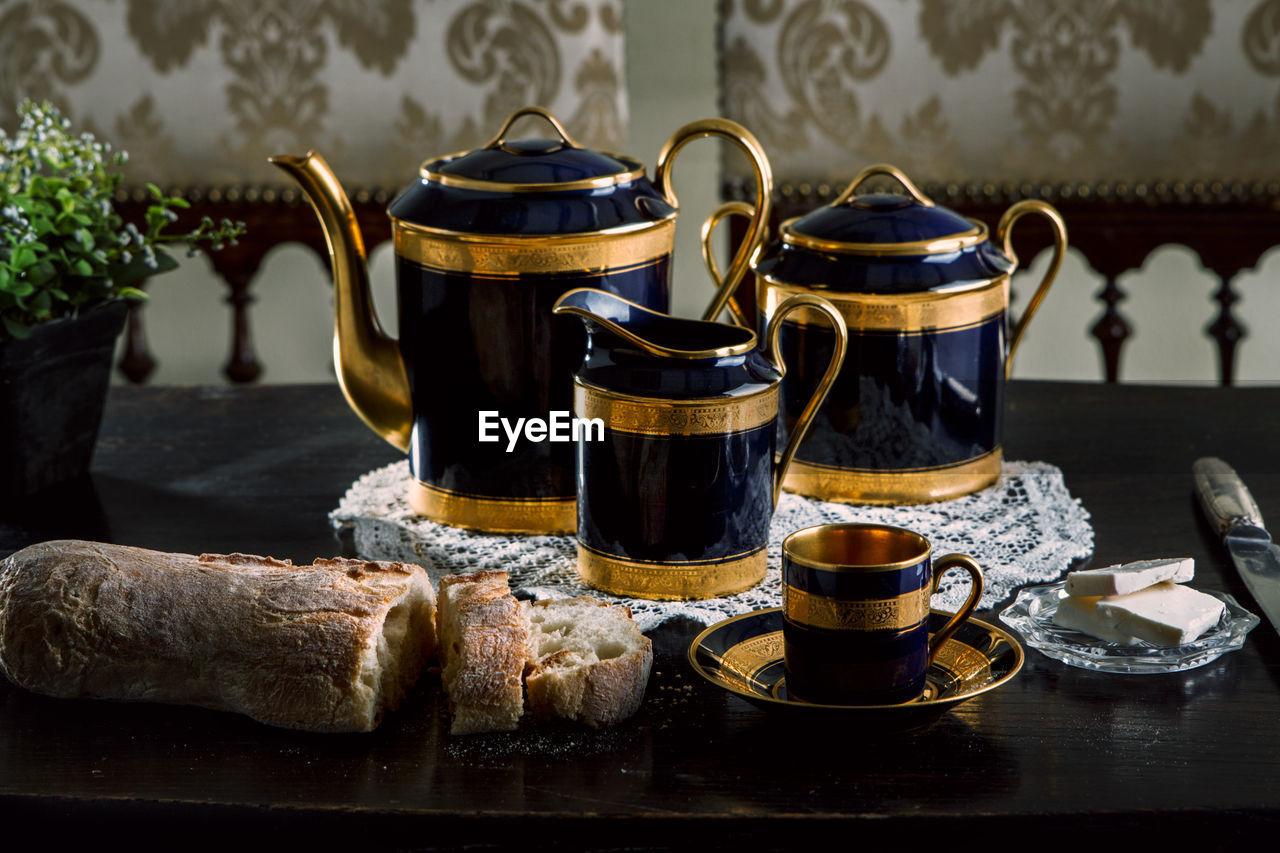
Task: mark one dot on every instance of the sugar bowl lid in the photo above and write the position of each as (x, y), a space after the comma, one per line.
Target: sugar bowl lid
(532, 165)
(880, 224)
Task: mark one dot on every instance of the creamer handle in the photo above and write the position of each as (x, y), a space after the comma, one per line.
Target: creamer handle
(774, 354)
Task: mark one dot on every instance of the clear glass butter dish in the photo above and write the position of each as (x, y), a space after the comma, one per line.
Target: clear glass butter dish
(1031, 615)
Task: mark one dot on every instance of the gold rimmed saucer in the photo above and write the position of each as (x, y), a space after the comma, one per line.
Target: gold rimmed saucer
(744, 656)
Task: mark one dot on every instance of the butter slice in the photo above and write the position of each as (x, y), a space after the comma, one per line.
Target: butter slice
(1080, 614)
(1130, 577)
(1165, 614)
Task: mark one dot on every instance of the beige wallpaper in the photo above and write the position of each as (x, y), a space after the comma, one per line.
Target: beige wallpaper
(200, 92)
(1009, 90)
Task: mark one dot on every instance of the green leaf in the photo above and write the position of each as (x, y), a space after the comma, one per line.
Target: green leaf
(16, 329)
(82, 267)
(155, 190)
(164, 262)
(84, 238)
(23, 257)
(133, 293)
(42, 272)
(180, 203)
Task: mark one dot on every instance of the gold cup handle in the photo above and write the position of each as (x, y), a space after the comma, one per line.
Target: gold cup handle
(796, 303)
(940, 567)
(724, 211)
(744, 139)
(1004, 234)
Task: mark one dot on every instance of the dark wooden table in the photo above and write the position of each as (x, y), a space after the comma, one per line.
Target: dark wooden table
(1057, 755)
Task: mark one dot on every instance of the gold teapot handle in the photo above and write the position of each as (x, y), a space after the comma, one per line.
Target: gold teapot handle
(744, 139)
(500, 138)
(774, 354)
(1004, 235)
(724, 211)
(884, 169)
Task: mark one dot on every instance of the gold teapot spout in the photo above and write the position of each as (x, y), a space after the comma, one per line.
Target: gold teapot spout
(369, 365)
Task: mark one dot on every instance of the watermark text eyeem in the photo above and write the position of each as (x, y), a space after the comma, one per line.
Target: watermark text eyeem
(559, 426)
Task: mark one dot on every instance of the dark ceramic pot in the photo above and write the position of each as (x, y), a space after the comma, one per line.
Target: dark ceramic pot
(915, 415)
(52, 389)
(677, 487)
(485, 242)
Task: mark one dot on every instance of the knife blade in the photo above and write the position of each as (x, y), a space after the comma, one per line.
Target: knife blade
(1234, 513)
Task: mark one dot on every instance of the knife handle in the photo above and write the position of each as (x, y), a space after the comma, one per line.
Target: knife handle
(1223, 495)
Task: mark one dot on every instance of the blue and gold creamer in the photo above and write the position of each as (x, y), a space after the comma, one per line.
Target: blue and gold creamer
(916, 413)
(675, 501)
(855, 612)
(485, 242)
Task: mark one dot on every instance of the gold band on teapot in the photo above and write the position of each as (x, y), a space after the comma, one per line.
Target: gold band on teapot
(894, 312)
(502, 255)
(911, 485)
(671, 580)
(493, 515)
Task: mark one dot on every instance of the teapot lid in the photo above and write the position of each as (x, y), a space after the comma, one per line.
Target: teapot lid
(531, 165)
(883, 223)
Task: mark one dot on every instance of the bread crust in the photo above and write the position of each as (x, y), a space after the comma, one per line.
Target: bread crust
(483, 637)
(291, 646)
(596, 693)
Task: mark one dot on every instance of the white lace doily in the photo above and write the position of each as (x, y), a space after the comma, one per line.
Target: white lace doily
(1026, 528)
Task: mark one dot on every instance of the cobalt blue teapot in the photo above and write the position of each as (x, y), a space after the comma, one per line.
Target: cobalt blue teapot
(485, 242)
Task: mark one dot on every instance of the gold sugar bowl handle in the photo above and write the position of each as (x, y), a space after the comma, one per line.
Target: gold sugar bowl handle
(1004, 236)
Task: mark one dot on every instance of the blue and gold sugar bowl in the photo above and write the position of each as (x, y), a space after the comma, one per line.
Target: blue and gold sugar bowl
(915, 415)
(676, 492)
(485, 242)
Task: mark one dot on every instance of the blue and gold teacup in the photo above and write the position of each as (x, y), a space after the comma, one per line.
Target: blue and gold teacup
(855, 604)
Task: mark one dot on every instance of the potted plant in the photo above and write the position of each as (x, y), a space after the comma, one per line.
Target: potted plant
(68, 263)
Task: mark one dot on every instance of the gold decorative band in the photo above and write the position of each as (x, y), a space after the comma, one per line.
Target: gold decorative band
(899, 312)
(504, 255)
(903, 486)
(648, 416)
(494, 515)
(834, 614)
(642, 579)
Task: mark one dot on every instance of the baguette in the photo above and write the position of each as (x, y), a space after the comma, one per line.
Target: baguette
(484, 635)
(328, 647)
(588, 661)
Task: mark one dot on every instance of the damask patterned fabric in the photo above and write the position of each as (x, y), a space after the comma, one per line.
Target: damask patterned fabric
(975, 91)
(200, 92)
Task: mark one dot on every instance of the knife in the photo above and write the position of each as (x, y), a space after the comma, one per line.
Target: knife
(1235, 515)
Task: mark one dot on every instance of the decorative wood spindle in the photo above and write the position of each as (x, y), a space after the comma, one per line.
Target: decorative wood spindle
(136, 361)
(1111, 330)
(1226, 330)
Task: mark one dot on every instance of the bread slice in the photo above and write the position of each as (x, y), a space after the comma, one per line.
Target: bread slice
(328, 647)
(588, 661)
(484, 633)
